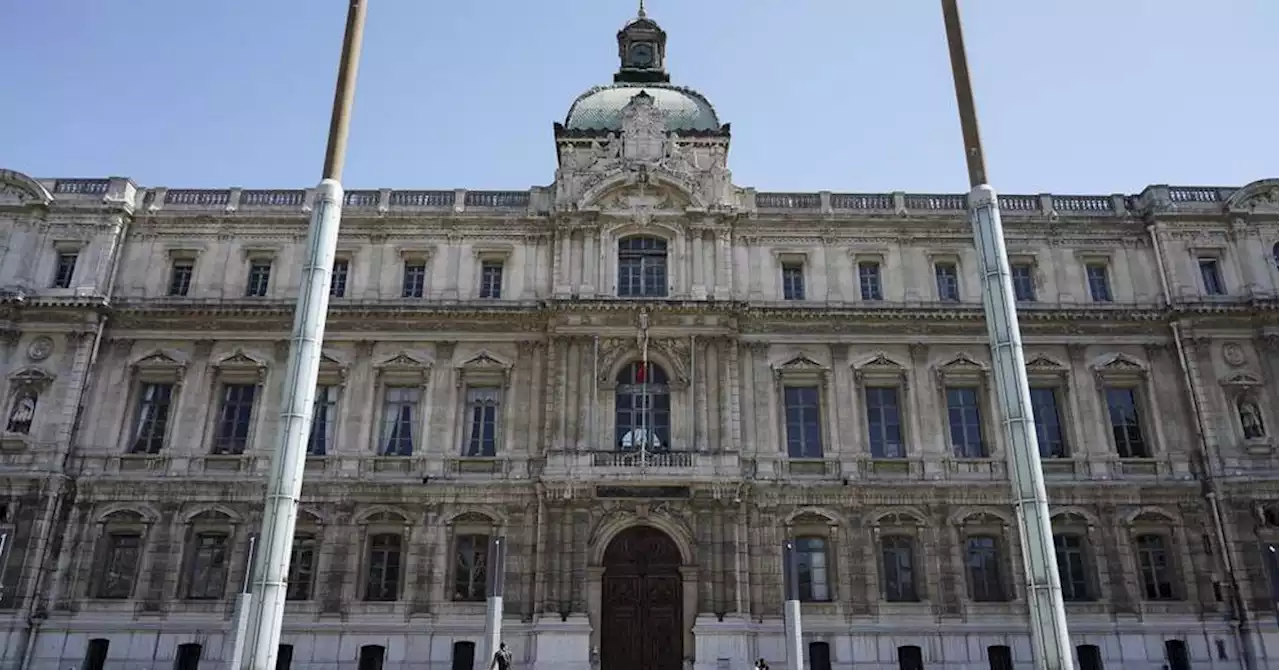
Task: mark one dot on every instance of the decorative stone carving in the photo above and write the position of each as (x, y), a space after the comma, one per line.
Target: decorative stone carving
(1233, 354)
(643, 130)
(40, 348)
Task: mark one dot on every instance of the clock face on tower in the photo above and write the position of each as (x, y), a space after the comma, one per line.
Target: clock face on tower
(641, 55)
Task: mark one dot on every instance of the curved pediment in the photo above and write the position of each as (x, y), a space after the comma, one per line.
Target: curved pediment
(1241, 379)
(637, 190)
(1262, 194)
(31, 377)
(19, 189)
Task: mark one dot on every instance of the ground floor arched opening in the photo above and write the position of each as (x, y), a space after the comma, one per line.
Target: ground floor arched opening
(642, 602)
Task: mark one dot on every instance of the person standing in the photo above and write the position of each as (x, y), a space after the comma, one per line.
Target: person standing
(501, 658)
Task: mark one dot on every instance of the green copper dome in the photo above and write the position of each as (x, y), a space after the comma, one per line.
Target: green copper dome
(601, 107)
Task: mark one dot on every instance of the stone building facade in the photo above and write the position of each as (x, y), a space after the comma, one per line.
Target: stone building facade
(645, 378)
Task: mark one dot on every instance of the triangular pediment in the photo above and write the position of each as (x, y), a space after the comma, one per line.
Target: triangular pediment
(403, 361)
(239, 359)
(1044, 363)
(159, 359)
(801, 363)
(962, 363)
(882, 362)
(484, 361)
(329, 361)
(1120, 363)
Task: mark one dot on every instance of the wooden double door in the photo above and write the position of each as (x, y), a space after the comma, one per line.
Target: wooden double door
(642, 603)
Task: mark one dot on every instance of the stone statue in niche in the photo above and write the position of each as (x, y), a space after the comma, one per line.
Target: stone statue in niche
(1251, 420)
(23, 413)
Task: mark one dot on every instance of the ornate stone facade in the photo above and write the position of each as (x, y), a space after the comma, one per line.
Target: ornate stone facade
(817, 369)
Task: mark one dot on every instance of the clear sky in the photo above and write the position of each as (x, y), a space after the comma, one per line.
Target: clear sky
(1079, 96)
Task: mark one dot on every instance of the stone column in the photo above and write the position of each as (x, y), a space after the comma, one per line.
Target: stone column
(698, 289)
(701, 396)
(724, 278)
(1113, 551)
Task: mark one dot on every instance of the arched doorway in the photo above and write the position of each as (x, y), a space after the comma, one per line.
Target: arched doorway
(641, 602)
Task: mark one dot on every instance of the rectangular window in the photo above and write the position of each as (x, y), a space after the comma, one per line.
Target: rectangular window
(302, 565)
(259, 279)
(910, 658)
(1072, 567)
(811, 569)
(152, 419)
(180, 277)
(982, 563)
(642, 267)
(491, 280)
(1044, 408)
(371, 657)
(1090, 657)
(1153, 565)
(188, 657)
(884, 422)
(948, 280)
(399, 408)
(869, 280)
(235, 416)
(804, 422)
(483, 407)
(65, 269)
(999, 657)
(1211, 275)
(118, 568)
(1099, 283)
(383, 582)
(415, 279)
(964, 417)
(284, 657)
(469, 571)
(1024, 283)
(207, 575)
(338, 278)
(897, 553)
(793, 281)
(1126, 426)
(324, 418)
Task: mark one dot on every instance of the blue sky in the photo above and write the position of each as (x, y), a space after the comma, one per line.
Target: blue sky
(1086, 96)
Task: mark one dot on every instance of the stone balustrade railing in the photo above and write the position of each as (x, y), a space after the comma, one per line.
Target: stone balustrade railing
(540, 200)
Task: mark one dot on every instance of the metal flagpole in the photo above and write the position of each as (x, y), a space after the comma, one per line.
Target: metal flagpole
(1050, 642)
(284, 486)
(495, 582)
(791, 606)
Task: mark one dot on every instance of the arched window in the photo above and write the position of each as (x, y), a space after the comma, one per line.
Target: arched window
(642, 267)
(1250, 419)
(643, 408)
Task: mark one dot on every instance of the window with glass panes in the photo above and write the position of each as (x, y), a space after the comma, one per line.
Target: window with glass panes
(338, 278)
(491, 280)
(231, 434)
(1099, 282)
(471, 553)
(869, 280)
(302, 565)
(382, 578)
(964, 417)
(948, 282)
(642, 267)
(259, 279)
(1048, 422)
(207, 571)
(884, 422)
(180, 274)
(982, 563)
(1024, 283)
(1126, 423)
(414, 282)
(1211, 276)
(793, 281)
(804, 421)
(1155, 568)
(151, 422)
(399, 412)
(324, 416)
(642, 408)
(118, 565)
(483, 405)
(811, 569)
(65, 269)
(897, 554)
(1072, 567)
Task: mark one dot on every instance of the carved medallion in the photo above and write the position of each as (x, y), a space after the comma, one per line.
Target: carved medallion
(40, 348)
(1233, 354)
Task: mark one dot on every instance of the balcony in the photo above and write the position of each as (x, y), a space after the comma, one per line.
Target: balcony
(673, 466)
